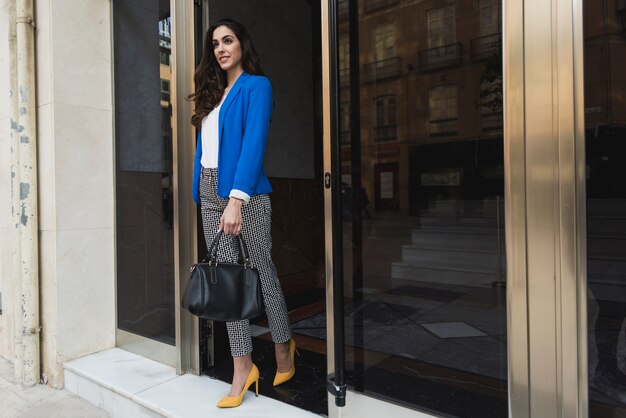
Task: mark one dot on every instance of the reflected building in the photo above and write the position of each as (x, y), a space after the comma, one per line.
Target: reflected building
(430, 79)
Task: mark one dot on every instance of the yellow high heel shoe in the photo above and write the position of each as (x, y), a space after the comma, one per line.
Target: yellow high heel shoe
(282, 377)
(230, 401)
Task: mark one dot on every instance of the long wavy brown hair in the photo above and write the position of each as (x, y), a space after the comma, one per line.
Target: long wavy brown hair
(210, 79)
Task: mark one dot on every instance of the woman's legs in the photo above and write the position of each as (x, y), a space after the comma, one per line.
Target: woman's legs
(256, 230)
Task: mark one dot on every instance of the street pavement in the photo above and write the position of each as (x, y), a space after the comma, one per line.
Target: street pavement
(40, 401)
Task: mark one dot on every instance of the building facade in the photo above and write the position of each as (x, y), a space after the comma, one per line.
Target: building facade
(449, 205)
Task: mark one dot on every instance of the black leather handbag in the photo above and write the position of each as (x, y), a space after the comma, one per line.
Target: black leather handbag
(224, 291)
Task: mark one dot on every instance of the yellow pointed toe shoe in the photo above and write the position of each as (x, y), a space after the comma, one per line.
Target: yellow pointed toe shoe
(234, 401)
(282, 377)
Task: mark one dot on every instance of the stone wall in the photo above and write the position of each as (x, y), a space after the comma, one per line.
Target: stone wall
(75, 175)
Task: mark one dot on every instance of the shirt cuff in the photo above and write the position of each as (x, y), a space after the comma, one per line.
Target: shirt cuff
(238, 194)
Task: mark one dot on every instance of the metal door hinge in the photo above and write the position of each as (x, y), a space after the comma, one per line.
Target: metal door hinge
(338, 391)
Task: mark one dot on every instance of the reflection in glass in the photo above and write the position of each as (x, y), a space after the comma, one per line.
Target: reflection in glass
(423, 186)
(144, 184)
(605, 148)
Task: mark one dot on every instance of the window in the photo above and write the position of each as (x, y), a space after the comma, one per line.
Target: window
(342, 7)
(385, 118)
(443, 107)
(165, 27)
(165, 57)
(490, 16)
(384, 43)
(344, 55)
(344, 122)
(441, 27)
(442, 102)
(165, 90)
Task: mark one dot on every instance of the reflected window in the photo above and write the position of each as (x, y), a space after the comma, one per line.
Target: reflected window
(165, 58)
(165, 90)
(344, 110)
(490, 16)
(344, 55)
(384, 43)
(441, 27)
(385, 118)
(442, 105)
(344, 61)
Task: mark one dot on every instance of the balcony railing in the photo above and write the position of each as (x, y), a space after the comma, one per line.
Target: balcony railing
(486, 46)
(380, 70)
(377, 4)
(443, 127)
(386, 133)
(443, 56)
(491, 121)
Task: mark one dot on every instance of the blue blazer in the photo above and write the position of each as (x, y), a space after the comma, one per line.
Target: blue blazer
(244, 121)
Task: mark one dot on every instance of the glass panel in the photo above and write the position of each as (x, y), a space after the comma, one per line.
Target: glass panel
(605, 148)
(144, 183)
(424, 255)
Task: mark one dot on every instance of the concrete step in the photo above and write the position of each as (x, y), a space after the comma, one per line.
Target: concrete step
(129, 385)
(606, 246)
(465, 260)
(402, 271)
(606, 207)
(607, 266)
(486, 207)
(603, 226)
(457, 240)
(460, 221)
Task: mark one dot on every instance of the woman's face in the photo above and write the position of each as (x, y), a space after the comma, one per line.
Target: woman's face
(227, 48)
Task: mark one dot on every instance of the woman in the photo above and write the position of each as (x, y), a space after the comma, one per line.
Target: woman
(233, 108)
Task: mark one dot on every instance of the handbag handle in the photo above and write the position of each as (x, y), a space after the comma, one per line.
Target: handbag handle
(243, 250)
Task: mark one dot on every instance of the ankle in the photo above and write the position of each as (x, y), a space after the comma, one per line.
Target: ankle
(282, 348)
(243, 365)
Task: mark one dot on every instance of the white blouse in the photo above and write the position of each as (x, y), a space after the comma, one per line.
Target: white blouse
(210, 138)
(210, 146)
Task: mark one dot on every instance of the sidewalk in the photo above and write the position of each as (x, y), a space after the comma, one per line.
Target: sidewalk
(40, 400)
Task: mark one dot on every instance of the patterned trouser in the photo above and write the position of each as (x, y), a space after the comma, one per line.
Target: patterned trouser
(256, 229)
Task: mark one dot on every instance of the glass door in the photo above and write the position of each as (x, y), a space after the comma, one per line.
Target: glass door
(604, 30)
(415, 189)
(145, 178)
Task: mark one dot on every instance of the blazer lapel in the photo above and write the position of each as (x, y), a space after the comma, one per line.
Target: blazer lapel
(229, 99)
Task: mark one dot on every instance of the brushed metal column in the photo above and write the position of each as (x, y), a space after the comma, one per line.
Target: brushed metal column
(185, 227)
(556, 282)
(515, 207)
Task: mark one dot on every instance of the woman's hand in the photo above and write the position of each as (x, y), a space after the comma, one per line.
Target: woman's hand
(230, 222)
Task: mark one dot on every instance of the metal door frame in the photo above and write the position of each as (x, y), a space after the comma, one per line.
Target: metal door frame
(184, 355)
(545, 209)
(185, 219)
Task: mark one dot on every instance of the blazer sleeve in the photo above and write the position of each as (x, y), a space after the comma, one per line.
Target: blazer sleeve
(195, 188)
(257, 122)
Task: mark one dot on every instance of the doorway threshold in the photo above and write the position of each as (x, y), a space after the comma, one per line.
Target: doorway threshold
(126, 384)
